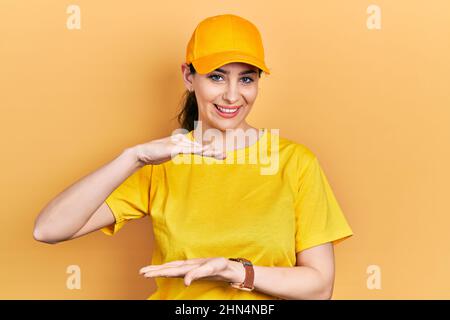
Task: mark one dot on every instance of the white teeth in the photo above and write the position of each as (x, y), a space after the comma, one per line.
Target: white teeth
(226, 110)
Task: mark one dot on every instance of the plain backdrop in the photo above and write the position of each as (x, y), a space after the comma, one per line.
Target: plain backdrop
(372, 104)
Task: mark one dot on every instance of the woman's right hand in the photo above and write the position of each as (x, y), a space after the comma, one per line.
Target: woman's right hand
(162, 150)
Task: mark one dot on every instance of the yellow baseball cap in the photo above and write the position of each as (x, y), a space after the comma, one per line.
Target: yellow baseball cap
(222, 39)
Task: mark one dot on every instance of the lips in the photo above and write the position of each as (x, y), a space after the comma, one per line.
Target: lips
(227, 107)
(227, 114)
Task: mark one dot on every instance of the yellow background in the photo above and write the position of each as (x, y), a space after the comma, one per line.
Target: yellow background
(372, 104)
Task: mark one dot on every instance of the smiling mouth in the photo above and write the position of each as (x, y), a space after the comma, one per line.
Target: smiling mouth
(227, 110)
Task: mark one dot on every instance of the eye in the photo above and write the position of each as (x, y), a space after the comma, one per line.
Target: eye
(251, 80)
(213, 76)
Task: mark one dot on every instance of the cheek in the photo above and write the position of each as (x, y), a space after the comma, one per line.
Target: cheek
(207, 89)
(250, 94)
(206, 97)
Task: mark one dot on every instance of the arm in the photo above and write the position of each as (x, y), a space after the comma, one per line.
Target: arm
(311, 278)
(80, 208)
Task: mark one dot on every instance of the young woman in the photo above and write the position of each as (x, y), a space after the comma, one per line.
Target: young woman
(223, 229)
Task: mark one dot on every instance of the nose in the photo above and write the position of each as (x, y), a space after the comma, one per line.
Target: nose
(231, 93)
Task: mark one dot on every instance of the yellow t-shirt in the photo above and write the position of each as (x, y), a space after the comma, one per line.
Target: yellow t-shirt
(201, 210)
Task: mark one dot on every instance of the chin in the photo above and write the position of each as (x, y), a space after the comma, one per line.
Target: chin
(224, 126)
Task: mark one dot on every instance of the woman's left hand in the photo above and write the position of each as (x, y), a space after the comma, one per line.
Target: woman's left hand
(217, 268)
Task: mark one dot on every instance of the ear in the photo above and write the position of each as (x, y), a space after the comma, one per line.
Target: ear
(188, 77)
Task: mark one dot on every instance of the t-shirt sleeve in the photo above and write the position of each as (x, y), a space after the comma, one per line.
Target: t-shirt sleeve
(130, 200)
(319, 218)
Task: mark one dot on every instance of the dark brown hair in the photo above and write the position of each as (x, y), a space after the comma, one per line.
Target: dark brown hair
(189, 110)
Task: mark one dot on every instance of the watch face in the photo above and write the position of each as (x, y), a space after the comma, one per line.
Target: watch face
(246, 262)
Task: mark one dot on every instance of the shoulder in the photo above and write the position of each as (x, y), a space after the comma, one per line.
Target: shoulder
(297, 157)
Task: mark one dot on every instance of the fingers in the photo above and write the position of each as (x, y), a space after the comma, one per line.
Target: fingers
(205, 150)
(190, 272)
(185, 141)
(187, 146)
(161, 266)
(182, 138)
(210, 151)
(192, 269)
(173, 271)
(175, 263)
(178, 271)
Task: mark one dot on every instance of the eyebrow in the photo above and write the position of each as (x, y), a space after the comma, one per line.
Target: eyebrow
(241, 73)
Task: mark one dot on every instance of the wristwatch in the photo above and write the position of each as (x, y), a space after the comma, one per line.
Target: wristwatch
(247, 285)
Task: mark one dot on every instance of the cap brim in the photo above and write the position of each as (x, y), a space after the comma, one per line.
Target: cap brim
(210, 63)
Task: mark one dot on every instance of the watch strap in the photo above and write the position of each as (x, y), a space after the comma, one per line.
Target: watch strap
(247, 285)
